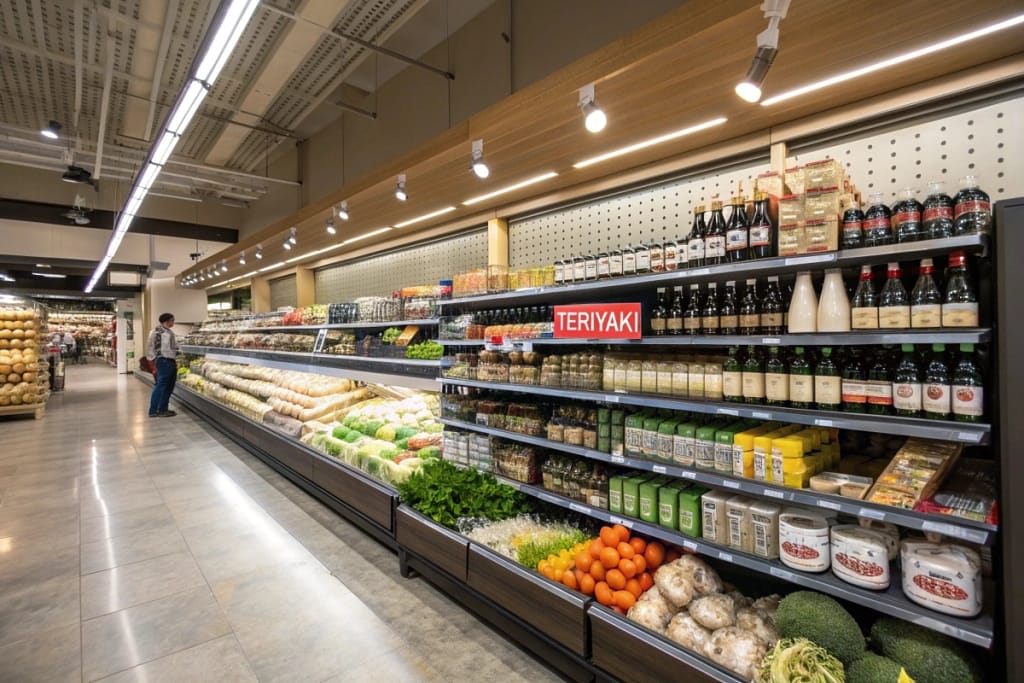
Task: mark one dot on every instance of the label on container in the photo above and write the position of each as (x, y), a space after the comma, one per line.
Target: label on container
(737, 460)
(590, 271)
(960, 315)
(852, 231)
(682, 255)
(705, 455)
(749, 322)
(854, 391)
(935, 398)
(679, 450)
(877, 225)
(771, 319)
(729, 322)
(776, 386)
(615, 265)
(670, 256)
(972, 207)
(579, 271)
(643, 261)
(695, 250)
(559, 273)
(894, 317)
(865, 318)
(695, 384)
(732, 384)
(926, 315)
(827, 390)
(657, 261)
(709, 322)
(967, 400)
(904, 217)
(934, 213)
(714, 246)
(906, 396)
(736, 239)
(801, 388)
(753, 385)
(760, 235)
(690, 458)
(879, 392)
(629, 263)
(658, 324)
(691, 323)
(723, 458)
(760, 465)
(602, 268)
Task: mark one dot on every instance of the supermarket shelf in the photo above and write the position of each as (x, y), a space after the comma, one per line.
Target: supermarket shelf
(411, 373)
(978, 631)
(968, 433)
(953, 527)
(334, 326)
(934, 336)
(625, 286)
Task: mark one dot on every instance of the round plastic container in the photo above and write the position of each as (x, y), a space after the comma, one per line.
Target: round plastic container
(860, 556)
(804, 541)
(945, 578)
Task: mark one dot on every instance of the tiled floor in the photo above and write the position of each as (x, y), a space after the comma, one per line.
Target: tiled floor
(138, 549)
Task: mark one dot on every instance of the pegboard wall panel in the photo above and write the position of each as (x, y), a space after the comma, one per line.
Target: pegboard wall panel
(420, 265)
(660, 212)
(283, 292)
(984, 142)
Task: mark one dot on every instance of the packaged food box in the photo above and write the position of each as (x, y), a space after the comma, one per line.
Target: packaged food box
(826, 174)
(791, 239)
(860, 557)
(915, 472)
(945, 578)
(821, 235)
(822, 205)
(791, 209)
(969, 491)
(690, 511)
(714, 520)
(668, 504)
(795, 180)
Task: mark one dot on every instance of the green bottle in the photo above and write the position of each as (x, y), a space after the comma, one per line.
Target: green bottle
(801, 380)
(906, 385)
(968, 387)
(827, 382)
(732, 376)
(936, 389)
(854, 386)
(776, 379)
(753, 376)
(880, 383)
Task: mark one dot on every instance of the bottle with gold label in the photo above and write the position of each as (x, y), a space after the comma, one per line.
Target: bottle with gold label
(729, 316)
(893, 302)
(737, 230)
(753, 376)
(692, 314)
(827, 382)
(776, 379)
(659, 316)
(772, 308)
(960, 305)
(801, 380)
(926, 299)
(762, 232)
(695, 240)
(675, 316)
(714, 240)
(732, 376)
(750, 309)
(709, 321)
(864, 305)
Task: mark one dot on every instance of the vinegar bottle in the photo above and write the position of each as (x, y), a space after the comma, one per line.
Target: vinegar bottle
(834, 306)
(803, 307)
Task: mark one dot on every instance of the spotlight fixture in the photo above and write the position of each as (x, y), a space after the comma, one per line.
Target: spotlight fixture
(241, 258)
(343, 211)
(331, 230)
(51, 131)
(259, 252)
(223, 266)
(291, 240)
(749, 88)
(400, 188)
(593, 118)
(478, 166)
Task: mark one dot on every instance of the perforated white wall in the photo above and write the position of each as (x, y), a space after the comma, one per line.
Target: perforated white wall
(283, 292)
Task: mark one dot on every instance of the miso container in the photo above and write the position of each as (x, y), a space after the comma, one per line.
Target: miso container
(649, 499)
(666, 438)
(690, 510)
(696, 379)
(649, 444)
(634, 434)
(668, 504)
(705, 456)
(631, 495)
(684, 444)
(680, 378)
(723, 447)
(714, 520)
(615, 493)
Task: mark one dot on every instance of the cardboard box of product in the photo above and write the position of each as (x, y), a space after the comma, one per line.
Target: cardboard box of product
(668, 504)
(690, 512)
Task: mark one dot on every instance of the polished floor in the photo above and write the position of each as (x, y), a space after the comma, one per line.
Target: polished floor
(155, 549)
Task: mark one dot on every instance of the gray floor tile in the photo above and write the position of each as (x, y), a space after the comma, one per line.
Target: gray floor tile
(121, 640)
(60, 526)
(401, 665)
(130, 548)
(152, 518)
(112, 500)
(216, 661)
(54, 656)
(132, 584)
(28, 606)
(223, 555)
(36, 558)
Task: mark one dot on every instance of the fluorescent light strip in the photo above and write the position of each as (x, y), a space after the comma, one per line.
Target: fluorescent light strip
(316, 252)
(162, 150)
(188, 105)
(510, 188)
(55, 276)
(365, 235)
(644, 144)
(224, 40)
(433, 214)
(148, 176)
(898, 59)
(273, 266)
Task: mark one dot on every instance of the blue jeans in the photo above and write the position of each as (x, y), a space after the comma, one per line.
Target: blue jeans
(166, 376)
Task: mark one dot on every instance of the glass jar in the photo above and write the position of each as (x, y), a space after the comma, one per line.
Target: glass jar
(713, 381)
(650, 376)
(696, 379)
(664, 377)
(615, 263)
(680, 378)
(634, 375)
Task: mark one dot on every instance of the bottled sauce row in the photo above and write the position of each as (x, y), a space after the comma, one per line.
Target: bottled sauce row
(873, 381)
(908, 220)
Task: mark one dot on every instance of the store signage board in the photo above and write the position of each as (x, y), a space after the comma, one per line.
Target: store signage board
(598, 321)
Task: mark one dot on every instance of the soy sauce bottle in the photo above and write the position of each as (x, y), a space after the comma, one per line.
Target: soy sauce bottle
(692, 314)
(968, 387)
(801, 380)
(906, 398)
(877, 222)
(737, 231)
(762, 232)
(714, 240)
(937, 219)
(853, 228)
(880, 383)
(709, 320)
(729, 316)
(972, 209)
(907, 217)
(936, 388)
(695, 240)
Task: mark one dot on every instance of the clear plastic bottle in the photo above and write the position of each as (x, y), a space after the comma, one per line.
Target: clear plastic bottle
(906, 217)
(877, 222)
(972, 209)
(937, 219)
(833, 306)
(864, 306)
(926, 299)
(803, 307)
(894, 302)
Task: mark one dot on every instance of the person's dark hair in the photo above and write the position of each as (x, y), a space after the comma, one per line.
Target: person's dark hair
(164, 317)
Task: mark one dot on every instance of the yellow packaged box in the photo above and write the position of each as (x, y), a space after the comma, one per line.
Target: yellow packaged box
(821, 235)
(915, 472)
(826, 174)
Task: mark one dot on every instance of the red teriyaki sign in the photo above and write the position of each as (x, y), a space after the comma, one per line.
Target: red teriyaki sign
(598, 321)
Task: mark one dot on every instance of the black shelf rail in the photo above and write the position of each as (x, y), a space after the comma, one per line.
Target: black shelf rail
(953, 527)
(968, 433)
(977, 631)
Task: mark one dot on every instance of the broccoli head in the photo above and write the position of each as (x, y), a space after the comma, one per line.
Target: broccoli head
(872, 668)
(928, 656)
(819, 618)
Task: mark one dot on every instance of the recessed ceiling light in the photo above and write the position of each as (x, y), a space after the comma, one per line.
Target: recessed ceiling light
(51, 131)
(50, 275)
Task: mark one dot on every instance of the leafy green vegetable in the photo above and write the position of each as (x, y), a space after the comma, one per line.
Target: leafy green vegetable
(339, 432)
(390, 335)
(402, 444)
(428, 350)
(352, 436)
(405, 432)
(799, 659)
(445, 493)
(429, 452)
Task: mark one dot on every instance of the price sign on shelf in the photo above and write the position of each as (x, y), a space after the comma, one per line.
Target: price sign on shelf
(321, 338)
(598, 321)
(659, 469)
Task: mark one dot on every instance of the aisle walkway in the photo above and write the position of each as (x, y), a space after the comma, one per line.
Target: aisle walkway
(138, 549)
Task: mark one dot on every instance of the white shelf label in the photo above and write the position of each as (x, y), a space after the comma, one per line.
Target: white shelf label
(725, 557)
(781, 573)
(582, 509)
(687, 474)
(548, 498)
(611, 398)
(955, 531)
(823, 423)
(730, 484)
(659, 469)
(628, 523)
(727, 411)
(761, 415)
(872, 514)
(969, 436)
(689, 545)
(771, 340)
(697, 272)
(815, 258)
(772, 493)
(618, 459)
(829, 504)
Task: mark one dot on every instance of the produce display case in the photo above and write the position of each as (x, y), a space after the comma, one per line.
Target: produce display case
(24, 366)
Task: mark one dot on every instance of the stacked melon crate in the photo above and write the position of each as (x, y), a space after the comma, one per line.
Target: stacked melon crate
(24, 373)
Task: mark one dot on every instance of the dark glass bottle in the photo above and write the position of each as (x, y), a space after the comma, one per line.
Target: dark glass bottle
(675, 315)
(772, 312)
(906, 217)
(753, 376)
(937, 218)
(692, 314)
(906, 391)
(750, 309)
(659, 316)
(877, 222)
(801, 380)
(762, 232)
(737, 230)
(960, 304)
(776, 379)
(732, 376)
(925, 298)
(714, 240)
(695, 240)
(968, 387)
(729, 317)
(853, 228)
(827, 382)
(935, 398)
(880, 383)
(894, 302)
(854, 384)
(864, 304)
(972, 209)
(709, 322)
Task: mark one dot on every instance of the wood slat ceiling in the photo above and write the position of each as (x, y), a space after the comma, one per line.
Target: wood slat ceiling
(677, 71)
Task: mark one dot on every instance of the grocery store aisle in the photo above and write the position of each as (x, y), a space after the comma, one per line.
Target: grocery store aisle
(155, 549)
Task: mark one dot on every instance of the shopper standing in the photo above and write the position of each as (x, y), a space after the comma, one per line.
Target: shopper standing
(162, 347)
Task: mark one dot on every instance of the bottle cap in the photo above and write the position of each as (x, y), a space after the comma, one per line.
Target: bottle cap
(926, 263)
(712, 285)
(969, 181)
(773, 278)
(798, 349)
(698, 209)
(760, 196)
(907, 348)
(967, 348)
(875, 197)
(957, 258)
(730, 283)
(826, 351)
(936, 187)
(865, 269)
(908, 192)
(716, 204)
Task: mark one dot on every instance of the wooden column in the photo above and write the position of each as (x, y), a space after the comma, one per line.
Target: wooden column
(305, 287)
(497, 242)
(260, 295)
(778, 153)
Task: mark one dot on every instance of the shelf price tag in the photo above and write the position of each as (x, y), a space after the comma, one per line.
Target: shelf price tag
(689, 545)
(730, 484)
(548, 498)
(828, 504)
(659, 469)
(727, 411)
(815, 258)
(971, 437)
(823, 423)
(582, 509)
(772, 493)
(760, 415)
(725, 557)
(955, 531)
(628, 523)
(618, 459)
(688, 474)
(872, 513)
(781, 573)
(611, 398)
(771, 341)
